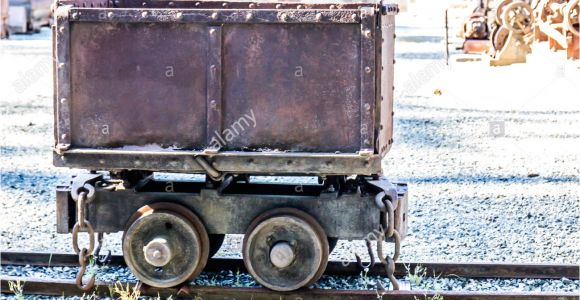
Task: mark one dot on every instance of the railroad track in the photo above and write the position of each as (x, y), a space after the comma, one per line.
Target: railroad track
(469, 270)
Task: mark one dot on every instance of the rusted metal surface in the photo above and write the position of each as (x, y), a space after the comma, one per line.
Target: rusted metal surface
(165, 244)
(214, 101)
(4, 30)
(515, 21)
(572, 25)
(292, 85)
(63, 84)
(448, 269)
(149, 95)
(476, 46)
(232, 4)
(222, 213)
(67, 288)
(367, 79)
(301, 254)
(386, 79)
(303, 90)
(231, 162)
(224, 16)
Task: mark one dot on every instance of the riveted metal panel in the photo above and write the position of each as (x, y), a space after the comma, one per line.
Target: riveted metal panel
(214, 83)
(284, 87)
(387, 51)
(138, 84)
(367, 79)
(63, 85)
(298, 81)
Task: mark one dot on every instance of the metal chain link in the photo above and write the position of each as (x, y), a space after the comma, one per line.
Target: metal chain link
(83, 196)
(387, 231)
(101, 260)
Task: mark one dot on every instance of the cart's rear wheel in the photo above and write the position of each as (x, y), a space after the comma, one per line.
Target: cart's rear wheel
(165, 244)
(285, 249)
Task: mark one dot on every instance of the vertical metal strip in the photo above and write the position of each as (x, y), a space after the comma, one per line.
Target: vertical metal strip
(214, 87)
(387, 88)
(367, 75)
(63, 86)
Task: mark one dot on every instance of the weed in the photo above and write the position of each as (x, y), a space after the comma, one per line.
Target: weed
(126, 292)
(417, 275)
(17, 288)
(364, 278)
(92, 296)
(238, 278)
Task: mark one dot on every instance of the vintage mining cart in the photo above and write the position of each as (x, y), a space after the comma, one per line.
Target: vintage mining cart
(228, 90)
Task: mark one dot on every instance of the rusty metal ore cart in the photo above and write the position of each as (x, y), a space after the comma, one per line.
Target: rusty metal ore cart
(229, 90)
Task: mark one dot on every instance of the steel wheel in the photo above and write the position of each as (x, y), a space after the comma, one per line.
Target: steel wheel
(165, 245)
(518, 17)
(285, 249)
(499, 37)
(499, 11)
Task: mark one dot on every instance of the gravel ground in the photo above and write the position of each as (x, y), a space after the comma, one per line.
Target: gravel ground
(490, 154)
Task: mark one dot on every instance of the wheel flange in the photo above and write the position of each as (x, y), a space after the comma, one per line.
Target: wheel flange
(285, 249)
(165, 245)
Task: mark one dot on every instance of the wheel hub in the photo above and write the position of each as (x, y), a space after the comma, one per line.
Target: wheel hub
(281, 255)
(157, 252)
(165, 245)
(285, 249)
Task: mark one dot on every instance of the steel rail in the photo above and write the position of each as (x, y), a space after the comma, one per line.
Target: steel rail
(469, 270)
(68, 288)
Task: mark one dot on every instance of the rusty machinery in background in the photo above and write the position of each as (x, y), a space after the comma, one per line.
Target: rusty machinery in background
(512, 33)
(505, 30)
(227, 91)
(476, 29)
(4, 32)
(557, 23)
